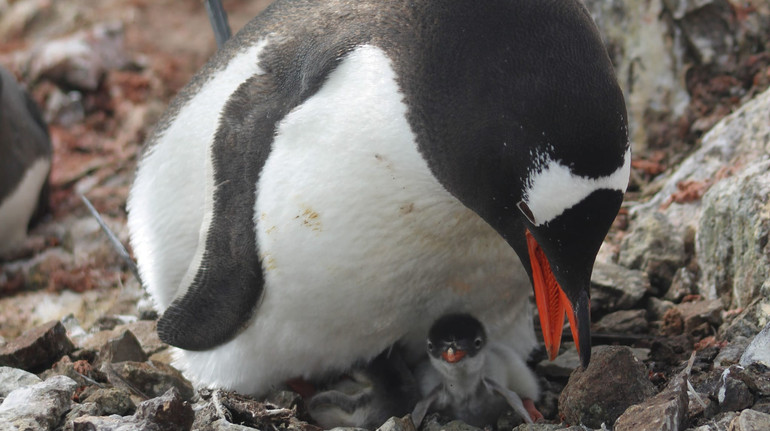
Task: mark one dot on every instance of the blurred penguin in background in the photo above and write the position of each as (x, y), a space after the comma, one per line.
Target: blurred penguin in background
(25, 162)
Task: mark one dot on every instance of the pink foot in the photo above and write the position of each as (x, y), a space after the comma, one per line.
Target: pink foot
(302, 387)
(534, 413)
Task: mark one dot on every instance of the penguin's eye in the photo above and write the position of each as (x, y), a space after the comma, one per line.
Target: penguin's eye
(478, 342)
(430, 347)
(524, 208)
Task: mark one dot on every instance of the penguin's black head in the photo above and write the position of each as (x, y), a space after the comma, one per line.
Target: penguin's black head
(522, 119)
(455, 336)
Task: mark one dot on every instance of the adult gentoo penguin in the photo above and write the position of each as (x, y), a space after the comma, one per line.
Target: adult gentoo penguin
(343, 173)
(473, 378)
(25, 161)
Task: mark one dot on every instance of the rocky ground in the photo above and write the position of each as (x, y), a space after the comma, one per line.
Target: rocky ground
(678, 295)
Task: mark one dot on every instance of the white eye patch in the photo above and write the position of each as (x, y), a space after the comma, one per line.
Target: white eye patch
(555, 189)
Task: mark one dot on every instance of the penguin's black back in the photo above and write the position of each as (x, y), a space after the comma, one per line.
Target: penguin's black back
(530, 74)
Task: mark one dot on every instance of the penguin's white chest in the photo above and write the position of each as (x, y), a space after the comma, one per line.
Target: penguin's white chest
(360, 246)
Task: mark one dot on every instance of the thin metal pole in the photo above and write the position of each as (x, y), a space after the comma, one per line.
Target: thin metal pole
(218, 20)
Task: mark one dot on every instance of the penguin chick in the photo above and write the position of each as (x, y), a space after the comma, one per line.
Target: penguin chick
(472, 378)
(25, 161)
(368, 396)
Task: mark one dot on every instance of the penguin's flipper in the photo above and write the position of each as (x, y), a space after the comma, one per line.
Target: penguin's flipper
(512, 398)
(228, 281)
(421, 409)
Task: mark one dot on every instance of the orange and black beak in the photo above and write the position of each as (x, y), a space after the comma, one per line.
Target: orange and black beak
(553, 302)
(453, 355)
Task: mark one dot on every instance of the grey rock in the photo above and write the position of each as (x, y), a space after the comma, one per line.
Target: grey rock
(80, 60)
(683, 284)
(732, 352)
(732, 239)
(614, 287)
(224, 425)
(696, 313)
(623, 322)
(168, 412)
(654, 246)
(398, 424)
(666, 411)
(38, 348)
(150, 378)
(15, 378)
(649, 67)
(562, 366)
(112, 401)
(37, 407)
(707, 26)
(614, 380)
(122, 348)
(544, 427)
(751, 420)
(657, 308)
(733, 144)
(758, 351)
(732, 393)
(433, 423)
(720, 423)
(755, 376)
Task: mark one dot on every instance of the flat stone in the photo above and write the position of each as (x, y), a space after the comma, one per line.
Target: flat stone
(562, 366)
(655, 247)
(696, 313)
(38, 348)
(397, 424)
(732, 239)
(124, 347)
(758, 351)
(112, 401)
(732, 393)
(15, 378)
(37, 407)
(657, 308)
(614, 287)
(683, 284)
(152, 379)
(623, 322)
(732, 352)
(614, 380)
(751, 420)
(666, 411)
(168, 412)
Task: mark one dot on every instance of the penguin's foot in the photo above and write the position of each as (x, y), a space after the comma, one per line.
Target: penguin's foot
(534, 413)
(301, 386)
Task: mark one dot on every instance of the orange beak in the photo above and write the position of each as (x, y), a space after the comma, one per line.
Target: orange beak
(451, 355)
(551, 300)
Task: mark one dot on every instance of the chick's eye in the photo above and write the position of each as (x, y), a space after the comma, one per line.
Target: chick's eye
(430, 346)
(477, 343)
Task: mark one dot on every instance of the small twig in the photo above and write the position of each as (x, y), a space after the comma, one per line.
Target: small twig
(116, 244)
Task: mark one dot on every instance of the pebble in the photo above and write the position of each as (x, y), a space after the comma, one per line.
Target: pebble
(758, 351)
(168, 412)
(623, 322)
(37, 407)
(666, 411)
(751, 420)
(614, 287)
(15, 378)
(38, 348)
(151, 379)
(614, 380)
